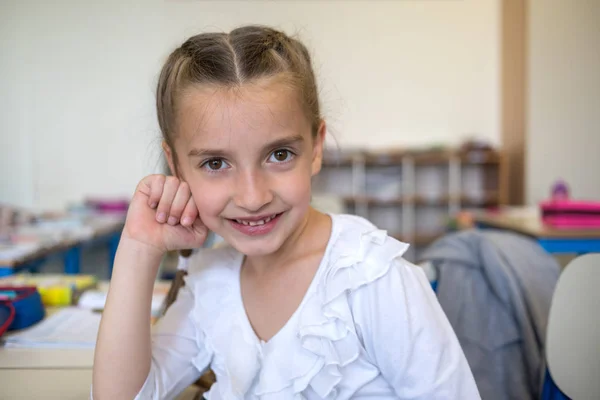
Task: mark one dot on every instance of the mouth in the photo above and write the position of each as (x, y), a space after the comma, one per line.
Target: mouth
(256, 222)
(255, 226)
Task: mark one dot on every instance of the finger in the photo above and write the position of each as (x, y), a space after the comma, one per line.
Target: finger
(179, 203)
(156, 183)
(190, 213)
(166, 199)
(201, 231)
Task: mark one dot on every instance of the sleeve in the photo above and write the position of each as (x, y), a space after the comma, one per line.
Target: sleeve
(179, 355)
(407, 335)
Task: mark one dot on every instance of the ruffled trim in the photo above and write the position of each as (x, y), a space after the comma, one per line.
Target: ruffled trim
(327, 338)
(326, 341)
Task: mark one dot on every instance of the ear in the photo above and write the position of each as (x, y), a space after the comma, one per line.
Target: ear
(318, 145)
(169, 157)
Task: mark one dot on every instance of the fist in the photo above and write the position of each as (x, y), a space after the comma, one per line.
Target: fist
(162, 214)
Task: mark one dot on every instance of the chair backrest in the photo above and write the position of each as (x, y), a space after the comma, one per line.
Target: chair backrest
(573, 336)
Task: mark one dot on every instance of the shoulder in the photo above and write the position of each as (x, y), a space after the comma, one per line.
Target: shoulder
(368, 265)
(357, 240)
(359, 255)
(352, 229)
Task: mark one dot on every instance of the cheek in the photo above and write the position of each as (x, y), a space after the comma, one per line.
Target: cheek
(296, 189)
(209, 200)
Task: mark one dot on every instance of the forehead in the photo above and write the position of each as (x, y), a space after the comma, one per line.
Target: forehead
(245, 116)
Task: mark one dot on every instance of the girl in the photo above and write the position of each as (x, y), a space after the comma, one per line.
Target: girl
(299, 304)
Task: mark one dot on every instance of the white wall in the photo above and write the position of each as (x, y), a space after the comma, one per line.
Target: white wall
(16, 167)
(77, 80)
(564, 97)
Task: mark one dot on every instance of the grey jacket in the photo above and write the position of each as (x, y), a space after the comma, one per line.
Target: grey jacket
(496, 288)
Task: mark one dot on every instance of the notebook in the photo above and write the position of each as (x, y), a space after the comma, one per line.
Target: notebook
(70, 327)
(96, 299)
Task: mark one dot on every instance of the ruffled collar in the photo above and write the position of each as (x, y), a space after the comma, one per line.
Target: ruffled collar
(319, 339)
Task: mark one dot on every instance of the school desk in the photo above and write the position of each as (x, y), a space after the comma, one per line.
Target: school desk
(554, 241)
(54, 384)
(65, 374)
(104, 232)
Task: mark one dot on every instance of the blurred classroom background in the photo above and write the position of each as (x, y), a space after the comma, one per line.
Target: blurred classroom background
(442, 114)
(78, 120)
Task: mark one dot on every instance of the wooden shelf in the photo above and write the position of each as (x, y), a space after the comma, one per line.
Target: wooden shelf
(337, 162)
(480, 158)
(374, 201)
(385, 159)
(421, 239)
(489, 199)
(465, 178)
(432, 158)
(426, 201)
(396, 157)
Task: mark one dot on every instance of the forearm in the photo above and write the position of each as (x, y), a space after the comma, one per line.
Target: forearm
(123, 351)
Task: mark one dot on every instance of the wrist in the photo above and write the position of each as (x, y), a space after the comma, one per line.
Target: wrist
(140, 249)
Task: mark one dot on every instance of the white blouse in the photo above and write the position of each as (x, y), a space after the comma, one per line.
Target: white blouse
(369, 326)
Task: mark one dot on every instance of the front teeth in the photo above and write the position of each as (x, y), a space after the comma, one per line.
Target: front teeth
(256, 223)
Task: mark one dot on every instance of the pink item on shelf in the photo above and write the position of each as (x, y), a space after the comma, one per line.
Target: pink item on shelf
(109, 206)
(571, 214)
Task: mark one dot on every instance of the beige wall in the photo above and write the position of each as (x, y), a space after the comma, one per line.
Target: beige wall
(76, 78)
(79, 119)
(564, 97)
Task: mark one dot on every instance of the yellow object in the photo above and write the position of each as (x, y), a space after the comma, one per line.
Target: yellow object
(55, 289)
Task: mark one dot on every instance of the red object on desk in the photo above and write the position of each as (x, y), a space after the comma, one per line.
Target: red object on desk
(571, 214)
(7, 315)
(25, 309)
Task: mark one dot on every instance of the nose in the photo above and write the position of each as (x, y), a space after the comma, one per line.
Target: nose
(252, 191)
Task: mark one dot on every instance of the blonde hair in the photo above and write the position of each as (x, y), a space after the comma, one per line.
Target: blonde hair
(244, 55)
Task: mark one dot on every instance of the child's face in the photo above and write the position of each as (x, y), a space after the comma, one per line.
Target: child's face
(248, 156)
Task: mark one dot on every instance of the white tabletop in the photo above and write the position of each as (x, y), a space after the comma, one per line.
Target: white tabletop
(54, 384)
(45, 373)
(63, 384)
(17, 358)
(61, 374)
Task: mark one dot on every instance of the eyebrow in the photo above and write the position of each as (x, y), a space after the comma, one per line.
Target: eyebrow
(286, 141)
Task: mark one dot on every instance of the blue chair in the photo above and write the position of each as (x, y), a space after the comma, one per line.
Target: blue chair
(550, 391)
(573, 333)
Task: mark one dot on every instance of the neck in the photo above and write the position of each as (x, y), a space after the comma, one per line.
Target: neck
(297, 244)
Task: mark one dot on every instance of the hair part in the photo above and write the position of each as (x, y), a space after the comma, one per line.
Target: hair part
(230, 60)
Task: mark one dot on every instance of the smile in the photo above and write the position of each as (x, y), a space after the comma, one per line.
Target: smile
(255, 223)
(257, 226)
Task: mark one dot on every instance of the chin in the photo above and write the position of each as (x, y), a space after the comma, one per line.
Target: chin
(256, 248)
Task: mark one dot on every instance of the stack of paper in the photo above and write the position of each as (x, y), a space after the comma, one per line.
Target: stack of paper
(68, 328)
(96, 299)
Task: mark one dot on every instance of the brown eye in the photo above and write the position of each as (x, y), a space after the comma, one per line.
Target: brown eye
(280, 155)
(215, 164)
